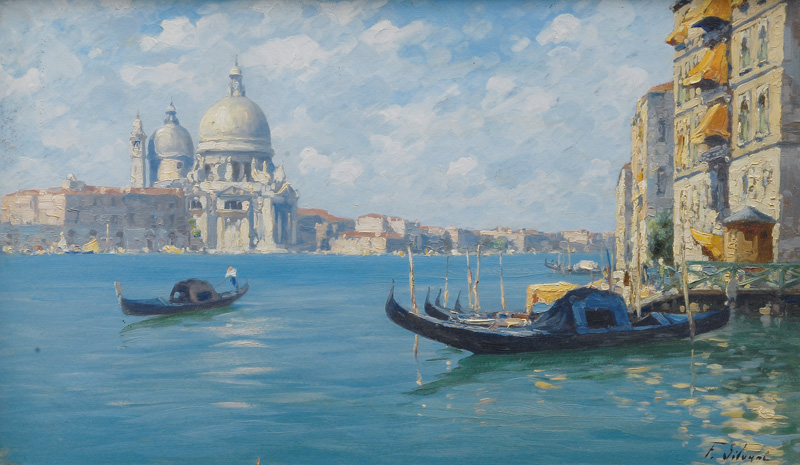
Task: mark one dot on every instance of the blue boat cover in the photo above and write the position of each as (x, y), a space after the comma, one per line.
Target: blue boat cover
(585, 310)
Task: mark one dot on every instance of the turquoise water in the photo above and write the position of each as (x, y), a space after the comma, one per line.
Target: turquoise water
(307, 369)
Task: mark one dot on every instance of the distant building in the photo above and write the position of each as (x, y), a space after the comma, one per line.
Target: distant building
(651, 168)
(378, 234)
(239, 201)
(128, 218)
(317, 228)
(622, 243)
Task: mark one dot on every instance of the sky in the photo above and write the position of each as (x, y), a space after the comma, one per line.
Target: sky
(476, 114)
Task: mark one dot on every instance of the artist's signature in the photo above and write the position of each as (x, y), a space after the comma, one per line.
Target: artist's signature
(730, 452)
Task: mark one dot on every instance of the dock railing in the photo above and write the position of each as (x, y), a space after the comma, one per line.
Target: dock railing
(756, 276)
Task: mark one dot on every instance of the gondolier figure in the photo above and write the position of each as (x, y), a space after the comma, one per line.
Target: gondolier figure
(232, 274)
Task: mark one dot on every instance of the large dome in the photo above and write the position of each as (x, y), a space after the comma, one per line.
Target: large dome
(172, 140)
(235, 123)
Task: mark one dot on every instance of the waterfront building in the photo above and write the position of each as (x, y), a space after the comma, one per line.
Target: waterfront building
(317, 228)
(701, 126)
(237, 200)
(651, 170)
(765, 145)
(736, 170)
(70, 216)
(622, 236)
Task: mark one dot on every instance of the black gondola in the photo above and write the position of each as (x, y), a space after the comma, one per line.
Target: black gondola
(186, 296)
(583, 318)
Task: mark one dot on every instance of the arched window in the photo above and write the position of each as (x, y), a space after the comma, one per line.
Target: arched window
(195, 204)
(763, 44)
(744, 55)
(744, 121)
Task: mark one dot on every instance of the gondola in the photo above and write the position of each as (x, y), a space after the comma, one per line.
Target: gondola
(583, 318)
(186, 296)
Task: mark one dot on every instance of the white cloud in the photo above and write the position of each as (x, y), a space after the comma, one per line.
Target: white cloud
(311, 160)
(346, 171)
(477, 29)
(295, 53)
(564, 27)
(462, 166)
(385, 36)
(161, 75)
(520, 44)
(64, 134)
(27, 84)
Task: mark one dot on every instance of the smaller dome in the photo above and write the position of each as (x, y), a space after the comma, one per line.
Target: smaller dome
(172, 140)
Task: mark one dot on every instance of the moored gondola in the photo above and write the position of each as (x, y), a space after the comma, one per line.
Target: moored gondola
(583, 318)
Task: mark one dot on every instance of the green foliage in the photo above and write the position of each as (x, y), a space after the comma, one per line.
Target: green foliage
(660, 236)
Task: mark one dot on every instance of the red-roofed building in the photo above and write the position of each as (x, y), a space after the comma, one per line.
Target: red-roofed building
(117, 217)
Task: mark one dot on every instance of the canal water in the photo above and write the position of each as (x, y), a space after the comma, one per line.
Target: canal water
(307, 369)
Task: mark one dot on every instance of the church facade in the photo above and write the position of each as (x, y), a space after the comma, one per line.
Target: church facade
(236, 199)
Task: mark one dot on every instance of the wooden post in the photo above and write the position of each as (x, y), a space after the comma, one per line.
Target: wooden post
(411, 281)
(686, 294)
(469, 280)
(446, 273)
(477, 277)
(502, 287)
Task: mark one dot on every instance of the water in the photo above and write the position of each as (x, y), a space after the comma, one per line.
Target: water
(307, 369)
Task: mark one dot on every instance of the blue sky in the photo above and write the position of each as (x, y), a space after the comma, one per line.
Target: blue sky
(466, 113)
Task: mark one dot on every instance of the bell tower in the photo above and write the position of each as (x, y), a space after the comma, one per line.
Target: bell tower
(138, 139)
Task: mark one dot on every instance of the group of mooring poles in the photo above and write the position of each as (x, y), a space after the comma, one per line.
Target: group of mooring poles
(474, 301)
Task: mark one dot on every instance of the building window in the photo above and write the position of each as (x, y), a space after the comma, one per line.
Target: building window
(233, 205)
(744, 55)
(248, 176)
(207, 169)
(743, 128)
(195, 204)
(662, 131)
(763, 43)
(762, 121)
(236, 172)
(694, 151)
(661, 181)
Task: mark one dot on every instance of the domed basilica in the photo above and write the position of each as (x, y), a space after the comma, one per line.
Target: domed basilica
(238, 201)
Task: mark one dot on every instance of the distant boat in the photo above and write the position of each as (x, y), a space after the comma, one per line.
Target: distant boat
(186, 296)
(584, 318)
(582, 267)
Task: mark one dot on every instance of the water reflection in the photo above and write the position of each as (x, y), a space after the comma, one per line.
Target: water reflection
(732, 396)
(179, 319)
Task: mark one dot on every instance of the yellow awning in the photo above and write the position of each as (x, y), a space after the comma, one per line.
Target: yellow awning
(714, 123)
(681, 32)
(713, 66)
(712, 244)
(92, 246)
(547, 293)
(716, 8)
